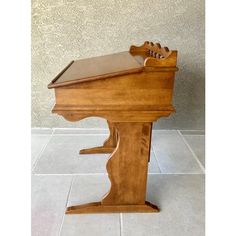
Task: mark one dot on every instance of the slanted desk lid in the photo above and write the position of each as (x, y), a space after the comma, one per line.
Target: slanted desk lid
(97, 68)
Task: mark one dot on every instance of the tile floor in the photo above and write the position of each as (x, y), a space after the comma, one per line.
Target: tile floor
(61, 177)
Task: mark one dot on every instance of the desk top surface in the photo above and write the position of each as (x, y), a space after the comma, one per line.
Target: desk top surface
(136, 60)
(98, 67)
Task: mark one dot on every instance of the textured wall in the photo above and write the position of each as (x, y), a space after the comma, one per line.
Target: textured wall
(63, 30)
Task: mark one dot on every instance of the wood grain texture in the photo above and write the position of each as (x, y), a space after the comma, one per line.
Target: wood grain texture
(130, 90)
(98, 207)
(108, 146)
(114, 116)
(118, 64)
(97, 68)
(154, 50)
(136, 91)
(154, 55)
(101, 97)
(128, 165)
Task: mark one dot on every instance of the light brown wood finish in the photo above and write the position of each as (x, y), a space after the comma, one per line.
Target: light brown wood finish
(108, 146)
(130, 90)
(148, 53)
(128, 164)
(97, 68)
(98, 207)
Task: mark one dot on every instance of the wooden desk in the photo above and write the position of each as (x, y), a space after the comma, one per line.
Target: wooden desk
(130, 90)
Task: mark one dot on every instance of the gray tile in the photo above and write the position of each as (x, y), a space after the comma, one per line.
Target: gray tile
(81, 131)
(172, 153)
(87, 189)
(91, 224)
(181, 200)
(38, 142)
(49, 197)
(61, 156)
(153, 165)
(41, 131)
(197, 144)
(192, 132)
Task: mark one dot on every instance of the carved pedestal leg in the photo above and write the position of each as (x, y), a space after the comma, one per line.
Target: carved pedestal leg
(127, 169)
(108, 146)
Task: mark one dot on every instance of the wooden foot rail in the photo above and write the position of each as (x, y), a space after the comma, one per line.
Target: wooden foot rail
(98, 207)
(108, 146)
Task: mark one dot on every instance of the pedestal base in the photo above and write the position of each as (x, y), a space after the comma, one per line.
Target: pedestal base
(98, 207)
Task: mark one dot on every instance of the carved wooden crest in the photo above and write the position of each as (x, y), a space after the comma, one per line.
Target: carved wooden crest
(155, 54)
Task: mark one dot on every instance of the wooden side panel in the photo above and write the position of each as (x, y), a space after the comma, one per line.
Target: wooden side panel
(128, 165)
(147, 88)
(114, 97)
(144, 80)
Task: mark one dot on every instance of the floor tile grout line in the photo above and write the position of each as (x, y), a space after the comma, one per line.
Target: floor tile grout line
(193, 153)
(105, 174)
(193, 134)
(41, 129)
(96, 131)
(176, 173)
(82, 128)
(40, 153)
(191, 150)
(80, 134)
(191, 129)
(67, 199)
(106, 129)
(98, 134)
(121, 225)
(74, 174)
(198, 130)
(156, 159)
(68, 196)
(202, 132)
(79, 128)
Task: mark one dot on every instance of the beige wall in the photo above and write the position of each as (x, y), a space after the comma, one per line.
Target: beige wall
(63, 30)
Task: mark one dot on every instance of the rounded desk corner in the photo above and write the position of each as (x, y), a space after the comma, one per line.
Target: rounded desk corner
(50, 86)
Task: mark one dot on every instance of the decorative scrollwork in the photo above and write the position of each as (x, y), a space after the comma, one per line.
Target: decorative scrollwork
(155, 54)
(153, 50)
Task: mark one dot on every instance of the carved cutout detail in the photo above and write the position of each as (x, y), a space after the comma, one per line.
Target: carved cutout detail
(108, 146)
(155, 54)
(153, 50)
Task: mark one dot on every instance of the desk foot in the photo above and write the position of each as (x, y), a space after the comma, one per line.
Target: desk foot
(98, 207)
(95, 150)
